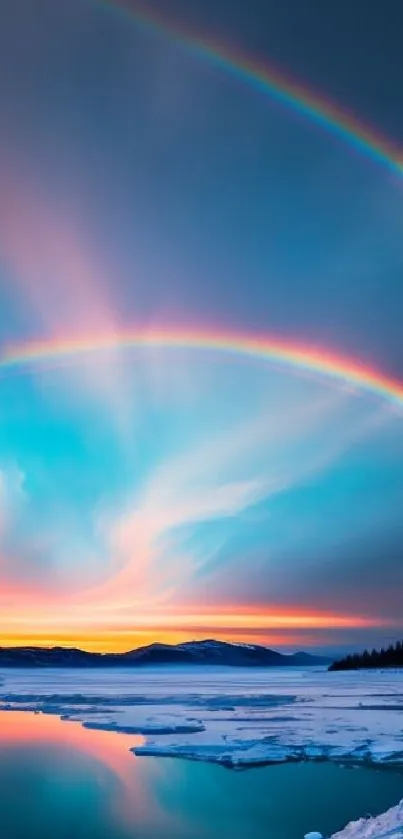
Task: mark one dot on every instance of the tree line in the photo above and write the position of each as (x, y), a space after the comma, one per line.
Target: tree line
(390, 657)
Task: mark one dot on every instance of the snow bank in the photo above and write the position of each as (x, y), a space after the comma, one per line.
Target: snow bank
(387, 826)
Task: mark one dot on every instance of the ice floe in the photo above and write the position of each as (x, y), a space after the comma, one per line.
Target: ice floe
(237, 717)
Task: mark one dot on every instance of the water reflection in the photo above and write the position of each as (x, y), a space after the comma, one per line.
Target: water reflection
(81, 756)
(59, 780)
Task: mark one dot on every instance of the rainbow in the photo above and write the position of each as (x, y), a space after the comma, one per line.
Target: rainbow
(296, 358)
(259, 75)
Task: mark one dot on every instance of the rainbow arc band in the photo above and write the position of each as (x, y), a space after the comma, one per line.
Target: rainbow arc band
(294, 357)
(259, 75)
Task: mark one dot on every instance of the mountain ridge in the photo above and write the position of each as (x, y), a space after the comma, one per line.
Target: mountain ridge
(207, 652)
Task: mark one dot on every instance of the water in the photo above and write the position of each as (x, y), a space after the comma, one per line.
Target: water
(61, 781)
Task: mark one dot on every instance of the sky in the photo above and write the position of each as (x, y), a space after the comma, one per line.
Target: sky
(163, 207)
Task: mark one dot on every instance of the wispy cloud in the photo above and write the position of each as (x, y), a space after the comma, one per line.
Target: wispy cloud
(173, 523)
(12, 496)
(150, 538)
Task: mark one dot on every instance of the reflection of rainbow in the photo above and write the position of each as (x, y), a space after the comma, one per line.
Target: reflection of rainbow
(259, 75)
(295, 357)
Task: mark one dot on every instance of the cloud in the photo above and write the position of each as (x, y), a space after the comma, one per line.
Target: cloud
(12, 496)
(175, 523)
(21, 549)
(17, 549)
(36, 547)
(157, 537)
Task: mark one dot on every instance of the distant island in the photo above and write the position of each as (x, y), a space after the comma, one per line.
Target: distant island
(208, 652)
(391, 657)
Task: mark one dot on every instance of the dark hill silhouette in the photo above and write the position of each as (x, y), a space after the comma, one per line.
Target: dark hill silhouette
(208, 652)
(391, 657)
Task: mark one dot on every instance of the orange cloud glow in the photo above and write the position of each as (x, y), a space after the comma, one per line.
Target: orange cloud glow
(73, 625)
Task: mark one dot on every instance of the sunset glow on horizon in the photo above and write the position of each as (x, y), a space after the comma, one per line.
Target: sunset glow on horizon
(270, 628)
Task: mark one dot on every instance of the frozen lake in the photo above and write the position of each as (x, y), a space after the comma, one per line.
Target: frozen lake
(236, 717)
(229, 715)
(59, 780)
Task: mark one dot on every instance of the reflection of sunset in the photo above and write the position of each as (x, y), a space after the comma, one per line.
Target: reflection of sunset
(109, 750)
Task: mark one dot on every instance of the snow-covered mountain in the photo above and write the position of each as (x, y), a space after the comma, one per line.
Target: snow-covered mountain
(208, 652)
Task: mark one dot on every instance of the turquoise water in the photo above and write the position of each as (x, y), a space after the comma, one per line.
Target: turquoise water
(61, 781)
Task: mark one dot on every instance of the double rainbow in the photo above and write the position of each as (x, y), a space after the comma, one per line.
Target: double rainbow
(297, 358)
(261, 76)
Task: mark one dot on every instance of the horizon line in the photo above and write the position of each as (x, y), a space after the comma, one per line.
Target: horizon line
(120, 653)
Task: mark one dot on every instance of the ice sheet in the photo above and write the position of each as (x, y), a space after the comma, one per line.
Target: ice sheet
(228, 715)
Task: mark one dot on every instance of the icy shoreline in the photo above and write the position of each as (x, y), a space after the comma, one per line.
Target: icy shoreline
(387, 826)
(237, 718)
